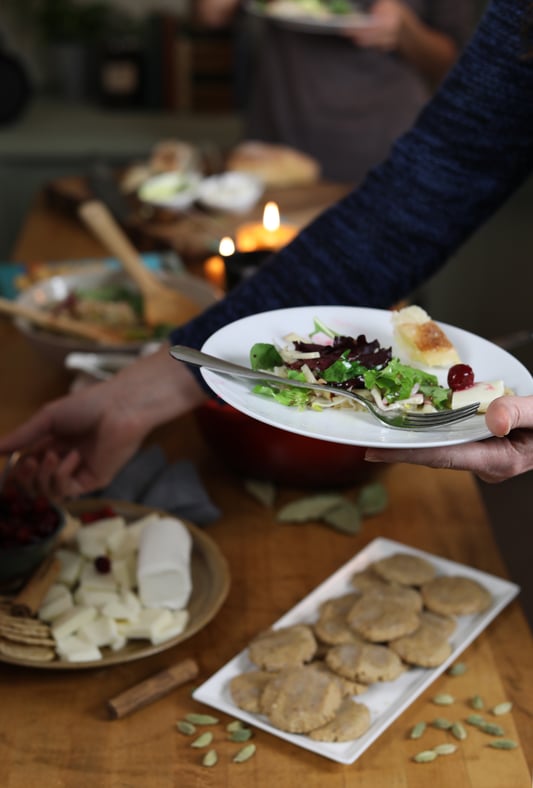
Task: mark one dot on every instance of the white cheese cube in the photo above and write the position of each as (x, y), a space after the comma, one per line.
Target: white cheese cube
(118, 643)
(76, 649)
(174, 628)
(126, 607)
(56, 590)
(71, 566)
(123, 571)
(163, 568)
(93, 539)
(94, 580)
(484, 393)
(71, 620)
(55, 607)
(101, 631)
(94, 597)
(148, 624)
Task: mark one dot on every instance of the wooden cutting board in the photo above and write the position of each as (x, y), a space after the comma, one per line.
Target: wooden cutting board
(196, 233)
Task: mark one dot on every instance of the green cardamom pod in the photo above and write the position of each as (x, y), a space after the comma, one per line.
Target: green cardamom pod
(502, 708)
(477, 702)
(475, 719)
(210, 758)
(186, 727)
(443, 699)
(204, 740)
(503, 744)
(201, 719)
(242, 734)
(492, 729)
(235, 725)
(426, 756)
(417, 730)
(457, 670)
(458, 731)
(442, 724)
(245, 754)
(445, 749)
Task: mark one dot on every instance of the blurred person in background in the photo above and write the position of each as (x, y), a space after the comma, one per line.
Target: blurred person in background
(343, 98)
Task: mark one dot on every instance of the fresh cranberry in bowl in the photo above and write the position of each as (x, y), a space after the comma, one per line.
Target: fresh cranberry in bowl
(29, 527)
(460, 377)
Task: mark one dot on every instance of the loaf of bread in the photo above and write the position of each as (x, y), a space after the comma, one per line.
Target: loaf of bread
(276, 165)
(419, 339)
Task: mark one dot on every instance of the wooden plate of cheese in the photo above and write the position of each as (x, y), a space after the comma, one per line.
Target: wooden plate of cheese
(210, 585)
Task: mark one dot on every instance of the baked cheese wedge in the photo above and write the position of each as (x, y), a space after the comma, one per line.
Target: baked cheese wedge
(419, 339)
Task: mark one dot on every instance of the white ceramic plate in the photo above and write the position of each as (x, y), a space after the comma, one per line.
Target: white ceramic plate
(292, 17)
(386, 700)
(234, 341)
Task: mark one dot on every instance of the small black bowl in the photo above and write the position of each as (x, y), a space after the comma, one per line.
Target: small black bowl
(29, 529)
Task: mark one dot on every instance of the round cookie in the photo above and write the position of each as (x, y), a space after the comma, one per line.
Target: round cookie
(409, 597)
(444, 624)
(455, 595)
(246, 689)
(379, 619)
(366, 579)
(350, 722)
(405, 569)
(281, 648)
(427, 647)
(331, 627)
(348, 687)
(365, 662)
(301, 699)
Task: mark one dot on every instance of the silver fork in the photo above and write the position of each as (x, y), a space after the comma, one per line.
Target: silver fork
(410, 420)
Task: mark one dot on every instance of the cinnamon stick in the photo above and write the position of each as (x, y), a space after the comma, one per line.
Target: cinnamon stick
(29, 599)
(151, 689)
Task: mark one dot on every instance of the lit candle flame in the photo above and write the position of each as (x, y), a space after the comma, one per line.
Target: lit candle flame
(226, 247)
(271, 220)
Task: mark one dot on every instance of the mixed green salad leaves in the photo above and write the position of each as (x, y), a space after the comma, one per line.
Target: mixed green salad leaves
(346, 363)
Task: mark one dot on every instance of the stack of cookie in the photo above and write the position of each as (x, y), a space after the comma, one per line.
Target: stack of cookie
(400, 614)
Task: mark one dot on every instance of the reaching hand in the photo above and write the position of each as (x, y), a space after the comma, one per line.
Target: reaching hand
(508, 454)
(76, 444)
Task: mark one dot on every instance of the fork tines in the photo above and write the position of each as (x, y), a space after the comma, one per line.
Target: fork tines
(442, 417)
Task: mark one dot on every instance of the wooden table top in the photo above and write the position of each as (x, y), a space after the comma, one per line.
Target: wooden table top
(54, 727)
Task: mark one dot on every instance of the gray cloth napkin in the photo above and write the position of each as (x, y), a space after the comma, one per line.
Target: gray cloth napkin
(148, 479)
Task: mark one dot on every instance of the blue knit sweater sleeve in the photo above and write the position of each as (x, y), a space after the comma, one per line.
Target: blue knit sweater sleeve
(470, 148)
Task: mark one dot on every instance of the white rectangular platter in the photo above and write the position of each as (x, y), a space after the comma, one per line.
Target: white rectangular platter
(386, 700)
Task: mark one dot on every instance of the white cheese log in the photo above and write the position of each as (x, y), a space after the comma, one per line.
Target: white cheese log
(163, 568)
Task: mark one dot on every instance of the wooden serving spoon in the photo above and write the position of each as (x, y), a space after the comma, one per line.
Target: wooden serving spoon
(161, 303)
(65, 325)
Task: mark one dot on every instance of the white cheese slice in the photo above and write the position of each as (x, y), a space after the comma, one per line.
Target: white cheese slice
(149, 624)
(71, 620)
(173, 629)
(484, 393)
(163, 567)
(126, 607)
(93, 538)
(55, 607)
(56, 590)
(71, 565)
(101, 631)
(94, 596)
(76, 649)
(94, 580)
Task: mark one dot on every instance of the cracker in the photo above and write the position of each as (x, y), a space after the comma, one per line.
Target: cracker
(34, 653)
(405, 569)
(455, 595)
(284, 647)
(350, 722)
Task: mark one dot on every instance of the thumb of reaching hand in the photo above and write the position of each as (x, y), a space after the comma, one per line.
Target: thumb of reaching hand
(508, 413)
